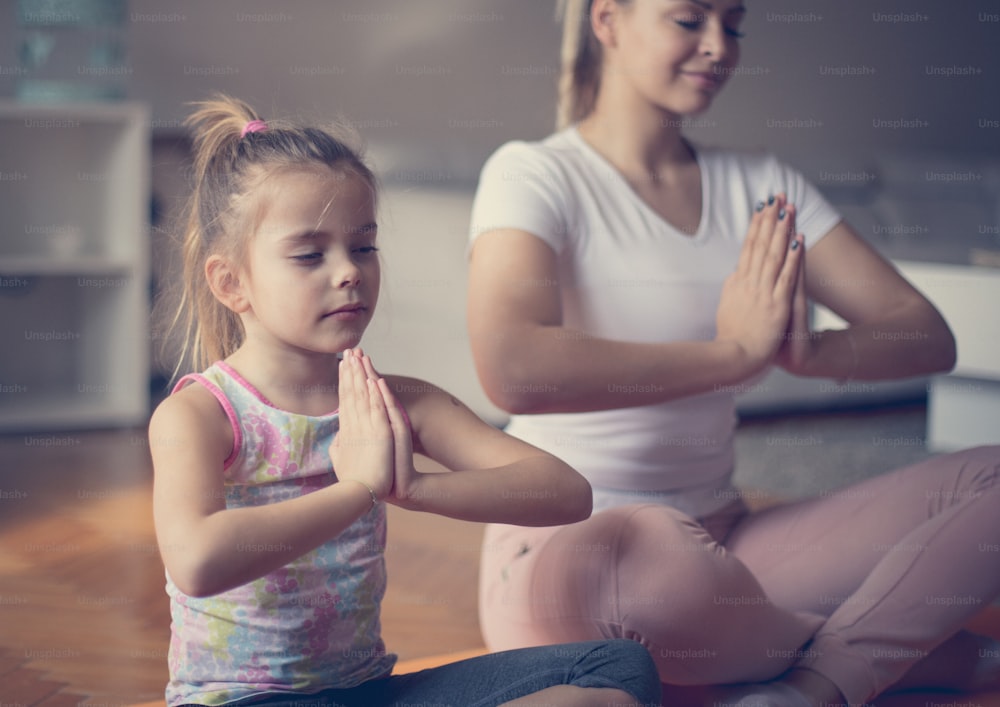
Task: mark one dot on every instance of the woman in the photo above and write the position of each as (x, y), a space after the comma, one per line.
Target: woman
(623, 284)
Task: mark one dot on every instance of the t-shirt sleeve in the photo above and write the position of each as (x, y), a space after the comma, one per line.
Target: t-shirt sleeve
(815, 216)
(519, 187)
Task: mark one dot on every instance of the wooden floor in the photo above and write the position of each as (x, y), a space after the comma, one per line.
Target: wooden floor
(83, 615)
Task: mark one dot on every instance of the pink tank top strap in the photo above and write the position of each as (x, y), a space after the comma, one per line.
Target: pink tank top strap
(226, 406)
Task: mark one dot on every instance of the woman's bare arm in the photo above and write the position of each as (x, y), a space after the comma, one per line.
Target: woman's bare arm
(894, 331)
(529, 362)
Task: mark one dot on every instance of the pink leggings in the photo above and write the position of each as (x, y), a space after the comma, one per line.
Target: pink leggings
(858, 584)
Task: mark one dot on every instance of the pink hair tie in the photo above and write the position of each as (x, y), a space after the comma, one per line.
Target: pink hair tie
(254, 126)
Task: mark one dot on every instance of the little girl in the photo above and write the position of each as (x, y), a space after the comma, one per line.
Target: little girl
(272, 464)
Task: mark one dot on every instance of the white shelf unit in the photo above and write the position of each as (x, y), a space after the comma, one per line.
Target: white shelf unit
(963, 407)
(74, 265)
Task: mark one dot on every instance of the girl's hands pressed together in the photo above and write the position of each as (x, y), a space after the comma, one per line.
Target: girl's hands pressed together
(363, 447)
(756, 299)
(405, 474)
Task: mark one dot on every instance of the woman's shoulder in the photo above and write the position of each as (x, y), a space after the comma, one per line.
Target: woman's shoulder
(548, 153)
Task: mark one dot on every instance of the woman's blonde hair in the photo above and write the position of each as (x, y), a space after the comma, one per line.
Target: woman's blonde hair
(580, 63)
(229, 162)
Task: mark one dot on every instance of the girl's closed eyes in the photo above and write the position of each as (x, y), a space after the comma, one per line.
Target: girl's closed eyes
(308, 258)
(315, 258)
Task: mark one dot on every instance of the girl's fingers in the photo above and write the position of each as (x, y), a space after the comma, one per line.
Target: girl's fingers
(375, 402)
(371, 398)
(360, 391)
(345, 389)
(401, 438)
(361, 403)
(393, 408)
(370, 371)
(356, 397)
(369, 377)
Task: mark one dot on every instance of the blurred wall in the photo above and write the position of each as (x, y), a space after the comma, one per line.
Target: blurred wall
(434, 86)
(438, 84)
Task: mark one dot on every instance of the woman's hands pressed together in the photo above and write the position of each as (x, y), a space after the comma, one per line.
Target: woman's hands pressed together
(373, 445)
(760, 296)
(799, 343)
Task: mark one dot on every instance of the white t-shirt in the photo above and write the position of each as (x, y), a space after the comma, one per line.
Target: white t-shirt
(628, 275)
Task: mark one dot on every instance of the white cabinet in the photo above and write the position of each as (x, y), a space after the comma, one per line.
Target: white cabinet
(74, 265)
(963, 407)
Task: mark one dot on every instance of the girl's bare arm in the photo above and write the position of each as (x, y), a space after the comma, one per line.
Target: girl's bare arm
(208, 548)
(499, 478)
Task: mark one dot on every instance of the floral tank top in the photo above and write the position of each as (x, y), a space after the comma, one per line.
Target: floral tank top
(309, 626)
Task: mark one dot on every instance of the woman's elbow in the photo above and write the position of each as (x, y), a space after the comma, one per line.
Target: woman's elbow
(512, 389)
(944, 353)
(950, 355)
(518, 378)
(578, 497)
(584, 505)
(509, 398)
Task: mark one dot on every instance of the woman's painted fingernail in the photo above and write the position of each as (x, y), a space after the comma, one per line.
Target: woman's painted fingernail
(795, 244)
(770, 200)
(781, 214)
(760, 206)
